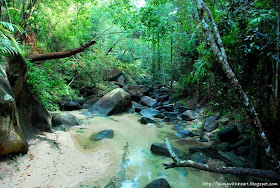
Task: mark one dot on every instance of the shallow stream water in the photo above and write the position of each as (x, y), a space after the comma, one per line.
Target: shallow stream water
(135, 166)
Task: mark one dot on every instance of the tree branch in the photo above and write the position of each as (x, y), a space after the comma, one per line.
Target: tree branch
(61, 54)
(270, 174)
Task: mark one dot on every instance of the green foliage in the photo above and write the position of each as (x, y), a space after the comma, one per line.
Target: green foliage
(159, 43)
(48, 84)
(201, 66)
(8, 44)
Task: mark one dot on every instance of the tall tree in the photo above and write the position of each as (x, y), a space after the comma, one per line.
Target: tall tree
(213, 36)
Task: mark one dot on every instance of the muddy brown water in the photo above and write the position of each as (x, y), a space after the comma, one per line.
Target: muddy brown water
(139, 166)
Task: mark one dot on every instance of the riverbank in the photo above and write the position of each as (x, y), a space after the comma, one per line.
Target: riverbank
(72, 160)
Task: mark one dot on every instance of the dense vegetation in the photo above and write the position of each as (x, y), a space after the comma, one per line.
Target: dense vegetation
(157, 44)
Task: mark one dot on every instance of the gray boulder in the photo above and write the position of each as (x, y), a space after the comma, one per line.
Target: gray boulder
(161, 149)
(11, 137)
(209, 151)
(33, 117)
(114, 102)
(162, 98)
(189, 115)
(149, 112)
(136, 91)
(148, 101)
(158, 183)
(65, 119)
(108, 133)
(185, 132)
(90, 101)
(146, 120)
(231, 159)
(211, 124)
(172, 115)
(69, 105)
(180, 135)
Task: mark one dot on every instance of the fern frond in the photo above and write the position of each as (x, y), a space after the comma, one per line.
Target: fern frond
(12, 27)
(8, 44)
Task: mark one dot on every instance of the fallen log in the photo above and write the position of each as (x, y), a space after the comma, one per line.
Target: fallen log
(269, 174)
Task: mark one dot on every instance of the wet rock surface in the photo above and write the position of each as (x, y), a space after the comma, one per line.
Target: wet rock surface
(158, 183)
(108, 133)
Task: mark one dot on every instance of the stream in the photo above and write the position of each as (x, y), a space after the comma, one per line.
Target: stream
(132, 163)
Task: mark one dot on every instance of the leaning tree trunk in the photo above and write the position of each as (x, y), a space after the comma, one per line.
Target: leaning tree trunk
(211, 31)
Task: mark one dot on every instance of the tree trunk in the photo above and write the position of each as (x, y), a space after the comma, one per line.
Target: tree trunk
(8, 13)
(0, 10)
(62, 54)
(158, 54)
(171, 63)
(277, 53)
(218, 49)
(270, 174)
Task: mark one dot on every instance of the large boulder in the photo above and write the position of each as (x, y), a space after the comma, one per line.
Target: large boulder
(65, 119)
(21, 114)
(161, 149)
(148, 101)
(90, 101)
(11, 137)
(33, 117)
(158, 183)
(114, 102)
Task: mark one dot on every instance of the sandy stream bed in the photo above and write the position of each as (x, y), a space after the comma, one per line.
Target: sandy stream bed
(47, 166)
(78, 161)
